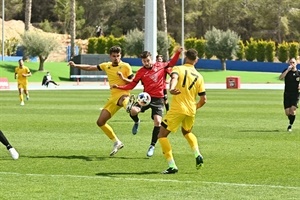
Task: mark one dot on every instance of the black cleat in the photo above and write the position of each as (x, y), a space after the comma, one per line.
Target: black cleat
(199, 162)
(170, 170)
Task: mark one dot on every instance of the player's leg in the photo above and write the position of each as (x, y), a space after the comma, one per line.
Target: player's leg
(167, 106)
(169, 124)
(14, 154)
(187, 125)
(106, 113)
(20, 90)
(26, 92)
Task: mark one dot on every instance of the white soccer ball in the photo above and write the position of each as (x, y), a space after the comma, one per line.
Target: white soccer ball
(143, 99)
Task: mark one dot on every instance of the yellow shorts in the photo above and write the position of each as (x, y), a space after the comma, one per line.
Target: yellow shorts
(173, 121)
(23, 85)
(112, 104)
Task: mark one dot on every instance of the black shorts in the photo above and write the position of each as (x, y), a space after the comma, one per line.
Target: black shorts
(290, 99)
(156, 105)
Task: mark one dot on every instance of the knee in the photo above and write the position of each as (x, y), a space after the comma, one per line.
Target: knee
(99, 123)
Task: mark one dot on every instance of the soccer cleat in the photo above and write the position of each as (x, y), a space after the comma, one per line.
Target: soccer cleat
(199, 162)
(289, 128)
(130, 103)
(170, 170)
(22, 103)
(151, 151)
(135, 127)
(14, 154)
(117, 146)
(27, 97)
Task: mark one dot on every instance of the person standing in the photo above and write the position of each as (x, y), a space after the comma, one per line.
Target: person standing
(185, 85)
(159, 58)
(118, 98)
(14, 154)
(291, 76)
(153, 77)
(21, 74)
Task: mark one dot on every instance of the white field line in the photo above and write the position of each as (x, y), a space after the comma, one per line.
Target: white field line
(152, 180)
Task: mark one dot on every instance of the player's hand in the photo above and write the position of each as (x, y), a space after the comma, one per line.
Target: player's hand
(180, 49)
(175, 91)
(71, 64)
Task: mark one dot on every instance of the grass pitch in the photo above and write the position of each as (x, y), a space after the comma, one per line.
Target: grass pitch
(248, 154)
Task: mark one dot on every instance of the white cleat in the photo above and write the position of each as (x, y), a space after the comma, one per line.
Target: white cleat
(117, 146)
(151, 151)
(22, 103)
(14, 154)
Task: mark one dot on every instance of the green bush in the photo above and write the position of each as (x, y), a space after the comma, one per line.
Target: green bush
(190, 43)
(134, 44)
(101, 45)
(200, 47)
(91, 47)
(270, 51)
(240, 53)
(250, 50)
(283, 52)
(261, 50)
(293, 50)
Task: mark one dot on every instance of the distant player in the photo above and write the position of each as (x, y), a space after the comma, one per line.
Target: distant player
(14, 154)
(21, 74)
(291, 76)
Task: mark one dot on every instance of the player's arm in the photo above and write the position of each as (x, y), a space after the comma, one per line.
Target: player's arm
(175, 57)
(202, 100)
(129, 79)
(84, 66)
(284, 73)
(173, 83)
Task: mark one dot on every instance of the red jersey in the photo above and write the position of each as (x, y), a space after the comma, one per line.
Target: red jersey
(154, 78)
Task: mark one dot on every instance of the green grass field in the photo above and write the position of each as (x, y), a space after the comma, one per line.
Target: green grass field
(64, 155)
(61, 72)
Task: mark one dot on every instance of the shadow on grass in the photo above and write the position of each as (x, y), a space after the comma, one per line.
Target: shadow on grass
(86, 158)
(11, 68)
(110, 174)
(64, 79)
(264, 131)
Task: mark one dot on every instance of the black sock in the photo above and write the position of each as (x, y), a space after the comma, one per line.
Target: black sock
(167, 106)
(4, 141)
(135, 118)
(292, 119)
(154, 135)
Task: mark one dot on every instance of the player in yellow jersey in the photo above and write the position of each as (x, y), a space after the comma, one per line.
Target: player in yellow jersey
(118, 98)
(21, 74)
(185, 85)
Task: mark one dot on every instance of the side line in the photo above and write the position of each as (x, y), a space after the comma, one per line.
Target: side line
(152, 180)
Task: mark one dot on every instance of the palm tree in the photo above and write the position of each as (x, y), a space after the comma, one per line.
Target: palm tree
(28, 14)
(73, 27)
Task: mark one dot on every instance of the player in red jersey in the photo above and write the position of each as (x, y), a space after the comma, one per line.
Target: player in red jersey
(153, 77)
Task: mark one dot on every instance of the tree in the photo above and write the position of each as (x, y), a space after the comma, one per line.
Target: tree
(222, 44)
(28, 14)
(73, 27)
(39, 44)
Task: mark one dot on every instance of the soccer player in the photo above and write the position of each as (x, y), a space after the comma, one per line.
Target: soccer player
(14, 154)
(159, 58)
(48, 79)
(153, 77)
(21, 73)
(291, 76)
(118, 98)
(185, 85)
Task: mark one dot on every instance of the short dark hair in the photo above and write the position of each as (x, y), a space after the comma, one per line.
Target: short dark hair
(145, 54)
(158, 56)
(115, 49)
(191, 54)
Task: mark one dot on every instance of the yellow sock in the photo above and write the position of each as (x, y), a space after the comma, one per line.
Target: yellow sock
(125, 102)
(193, 142)
(167, 151)
(21, 97)
(109, 132)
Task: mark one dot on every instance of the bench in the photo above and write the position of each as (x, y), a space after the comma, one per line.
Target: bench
(89, 76)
